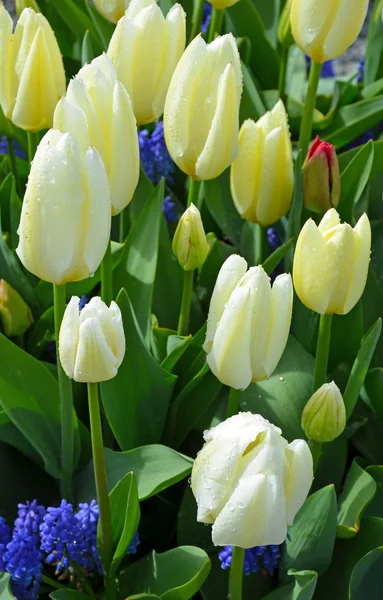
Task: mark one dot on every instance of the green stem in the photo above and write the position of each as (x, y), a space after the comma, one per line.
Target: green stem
(66, 402)
(107, 276)
(260, 242)
(12, 159)
(197, 19)
(215, 24)
(323, 349)
(122, 226)
(32, 145)
(236, 574)
(193, 195)
(307, 120)
(316, 451)
(183, 322)
(234, 402)
(283, 73)
(101, 481)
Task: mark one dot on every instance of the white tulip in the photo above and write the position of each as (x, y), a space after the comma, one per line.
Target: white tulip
(249, 482)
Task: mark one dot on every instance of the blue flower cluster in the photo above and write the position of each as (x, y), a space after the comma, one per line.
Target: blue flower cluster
(206, 17)
(257, 558)
(327, 68)
(57, 536)
(19, 152)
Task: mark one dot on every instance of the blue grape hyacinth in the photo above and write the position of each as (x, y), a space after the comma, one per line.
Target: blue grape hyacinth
(257, 558)
(5, 538)
(154, 155)
(19, 152)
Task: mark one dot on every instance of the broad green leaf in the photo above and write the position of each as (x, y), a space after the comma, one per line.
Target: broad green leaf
(136, 401)
(373, 66)
(68, 594)
(155, 467)
(373, 384)
(269, 12)
(177, 351)
(359, 489)
(174, 575)
(372, 301)
(193, 401)
(144, 597)
(346, 333)
(354, 180)
(219, 252)
(5, 587)
(283, 396)
(137, 269)
(303, 588)
(221, 207)
(275, 258)
(29, 394)
(244, 21)
(361, 366)
(189, 531)
(12, 436)
(295, 215)
(158, 345)
(87, 54)
(252, 106)
(310, 541)
(102, 27)
(377, 250)
(367, 577)
(42, 333)
(354, 120)
(77, 20)
(346, 157)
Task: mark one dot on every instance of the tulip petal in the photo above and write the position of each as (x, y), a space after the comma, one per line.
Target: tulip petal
(245, 170)
(344, 30)
(6, 94)
(94, 360)
(259, 324)
(360, 263)
(55, 57)
(69, 335)
(69, 118)
(280, 319)
(121, 51)
(341, 246)
(299, 476)
(79, 95)
(229, 276)
(311, 22)
(229, 358)
(329, 221)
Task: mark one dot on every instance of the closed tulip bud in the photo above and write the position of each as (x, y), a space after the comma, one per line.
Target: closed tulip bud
(248, 323)
(32, 78)
(15, 314)
(190, 245)
(201, 109)
(321, 177)
(145, 49)
(66, 216)
(324, 29)
(92, 341)
(222, 4)
(21, 4)
(112, 10)
(331, 263)
(97, 111)
(249, 482)
(324, 416)
(285, 35)
(262, 177)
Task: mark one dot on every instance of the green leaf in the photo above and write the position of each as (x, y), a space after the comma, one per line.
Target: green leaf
(373, 384)
(125, 517)
(310, 541)
(275, 258)
(143, 597)
(103, 28)
(68, 594)
(221, 207)
(5, 587)
(269, 12)
(174, 575)
(87, 54)
(359, 489)
(372, 67)
(244, 21)
(295, 215)
(29, 394)
(283, 396)
(377, 250)
(12, 436)
(354, 120)
(361, 366)
(77, 20)
(346, 157)
(303, 588)
(140, 388)
(252, 106)
(354, 180)
(155, 467)
(177, 352)
(366, 577)
(137, 269)
(346, 333)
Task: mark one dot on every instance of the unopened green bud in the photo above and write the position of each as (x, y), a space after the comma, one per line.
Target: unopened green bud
(21, 4)
(190, 245)
(15, 314)
(324, 416)
(284, 30)
(321, 177)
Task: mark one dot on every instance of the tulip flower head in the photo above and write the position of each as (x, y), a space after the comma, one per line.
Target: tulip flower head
(325, 29)
(145, 49)
(331, 263)
(324, 416)
(66, 216)
(97, 111)
(222, 4)
(262, 177)
(92, 341)
(321, 177)
(201, 108)
(190, 245)
(32, 78)
(112, 10)
(249, 482)
(248, 323)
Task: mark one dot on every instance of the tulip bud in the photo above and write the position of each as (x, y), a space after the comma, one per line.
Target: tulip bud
(324, 29)
(97, 111)
(222, 4)
(285, 35)
(66, 216)
(331, 263)
(32, 78)
(324, 416)
(249, 482)
(248, 323)
(145, 49)
(321, 177)
(15, 314)
(92, 341)
(190, 245)
(262, 177)
(112, 10)
(21, 4)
